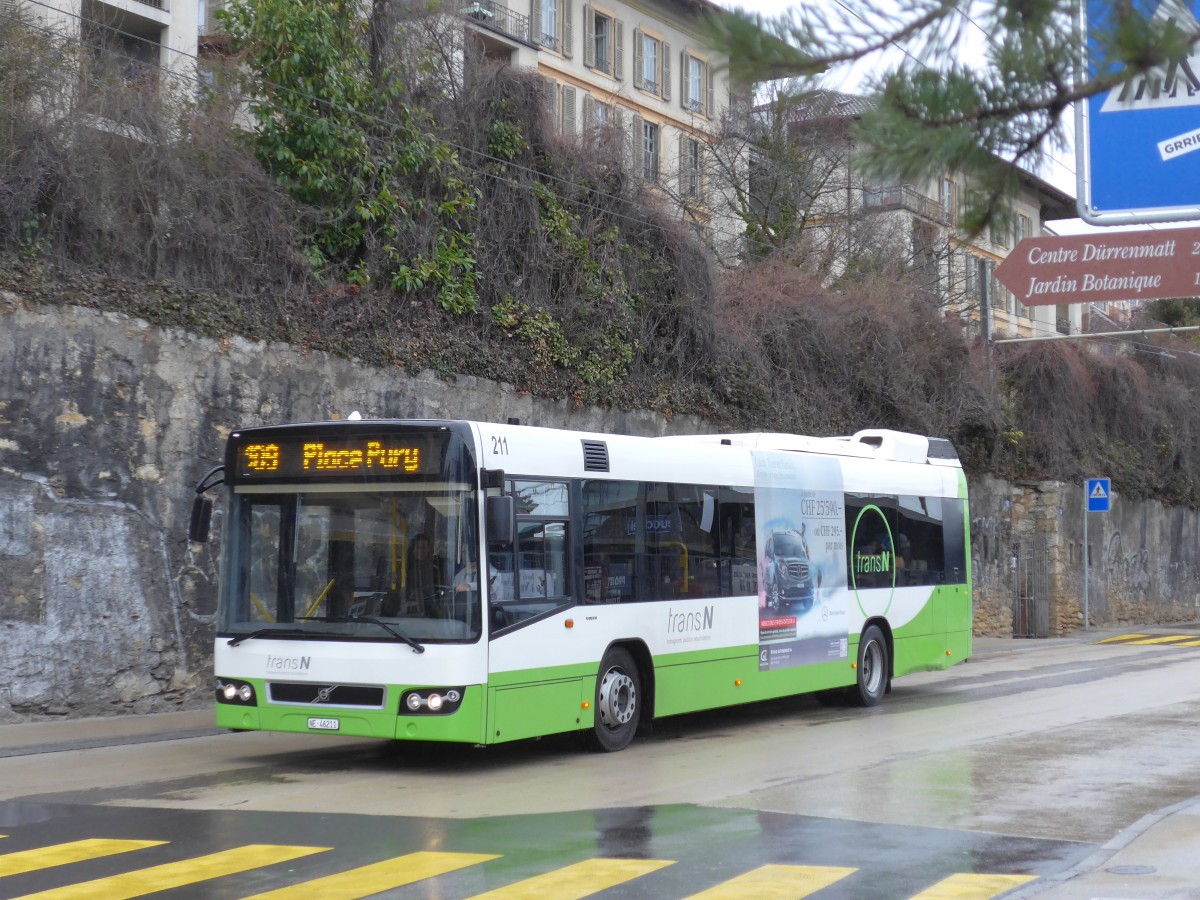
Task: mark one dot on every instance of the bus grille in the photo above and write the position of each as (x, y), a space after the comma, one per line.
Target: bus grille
(327, 694)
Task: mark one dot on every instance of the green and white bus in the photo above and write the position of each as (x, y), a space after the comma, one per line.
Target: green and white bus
(479, 583)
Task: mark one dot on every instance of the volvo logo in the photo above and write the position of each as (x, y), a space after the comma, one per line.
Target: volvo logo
(324, 693)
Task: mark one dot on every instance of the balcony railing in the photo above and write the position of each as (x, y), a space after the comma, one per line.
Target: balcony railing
(499, 18)
(903, 196)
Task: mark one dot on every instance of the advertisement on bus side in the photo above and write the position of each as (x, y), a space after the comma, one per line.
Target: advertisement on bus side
(800, 528)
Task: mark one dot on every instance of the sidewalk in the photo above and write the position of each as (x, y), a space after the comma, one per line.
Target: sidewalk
(78, 734)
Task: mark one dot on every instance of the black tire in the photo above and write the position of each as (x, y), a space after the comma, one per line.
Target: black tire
(618, 701)
(774, 595)
(873, 669)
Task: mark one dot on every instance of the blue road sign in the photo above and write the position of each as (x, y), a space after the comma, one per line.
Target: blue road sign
(1099, 495)
(1138, 145)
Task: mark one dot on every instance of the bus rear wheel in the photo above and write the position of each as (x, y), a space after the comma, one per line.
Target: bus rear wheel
(618, 701)
(872, 668)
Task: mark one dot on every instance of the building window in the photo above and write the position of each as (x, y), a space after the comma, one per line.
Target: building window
(999, 234)
(549, 37)
(651, 75)
(598, 40)
(651, 65)
(1024, 228)
(949, 200)
(602, 42)
(551, 25)
(696, 94)
(650, 136)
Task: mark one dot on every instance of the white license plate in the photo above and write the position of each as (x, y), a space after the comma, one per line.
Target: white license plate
(324, 724)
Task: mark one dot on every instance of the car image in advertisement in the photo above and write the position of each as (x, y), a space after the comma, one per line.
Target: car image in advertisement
(789, 575)
(801, 535)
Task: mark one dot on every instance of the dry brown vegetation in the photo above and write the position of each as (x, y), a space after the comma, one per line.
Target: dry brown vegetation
(588, 287)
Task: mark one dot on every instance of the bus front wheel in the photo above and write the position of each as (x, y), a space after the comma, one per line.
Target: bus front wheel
(872, 668)
(618, 701)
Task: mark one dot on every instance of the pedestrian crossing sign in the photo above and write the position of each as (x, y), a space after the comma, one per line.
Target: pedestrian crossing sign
(1099, 495)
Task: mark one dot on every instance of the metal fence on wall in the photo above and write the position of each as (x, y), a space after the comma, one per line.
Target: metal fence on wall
(1031, 587)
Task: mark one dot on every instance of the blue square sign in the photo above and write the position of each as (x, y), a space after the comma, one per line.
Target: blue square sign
(1099, 495)
(1138, 145)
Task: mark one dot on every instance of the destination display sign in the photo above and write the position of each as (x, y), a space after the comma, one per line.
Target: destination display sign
(1091, 268)
(288, 457)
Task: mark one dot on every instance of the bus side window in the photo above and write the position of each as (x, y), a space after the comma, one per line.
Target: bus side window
(739, 559)
(533, 577)
(610, 540)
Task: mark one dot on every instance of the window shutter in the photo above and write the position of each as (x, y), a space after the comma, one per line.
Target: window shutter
(568, 29)
(701, 168)
(639, 152)
(618, 50)
(638, 46)
(683, 164)
(589, 113)
(666, 71)
(568, 109)
(684, 81)
(535, 21)
(550, 99)
(708, 77)
(589, 36)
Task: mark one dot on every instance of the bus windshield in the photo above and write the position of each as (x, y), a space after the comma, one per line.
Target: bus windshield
(352, 562)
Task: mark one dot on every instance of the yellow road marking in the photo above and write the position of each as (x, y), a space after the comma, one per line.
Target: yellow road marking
(776, 883)
(1191, 643)
(579, 880)
(177, 874)
(378, 877)
(1122, 637)
(60, 854)
(964, 886)
(1168, 639)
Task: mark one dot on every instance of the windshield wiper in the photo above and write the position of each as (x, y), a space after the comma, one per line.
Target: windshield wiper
(266, 632)
(417, 648)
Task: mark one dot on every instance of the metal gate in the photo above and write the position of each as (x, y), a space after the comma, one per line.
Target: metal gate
(1031, 587)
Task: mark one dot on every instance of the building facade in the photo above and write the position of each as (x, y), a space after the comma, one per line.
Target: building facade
(640, 67)
(919, 223)
(140, 41)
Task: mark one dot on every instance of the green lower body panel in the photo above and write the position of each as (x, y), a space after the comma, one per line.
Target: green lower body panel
(465, 725)
(684, 687)
(530, 710)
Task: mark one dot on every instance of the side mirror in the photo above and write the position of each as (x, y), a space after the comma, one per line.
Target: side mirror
(198, 527)
(500, 520)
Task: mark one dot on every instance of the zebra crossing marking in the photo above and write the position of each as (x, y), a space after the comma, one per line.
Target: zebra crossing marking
(571, 882)
(968, 886)
(177, 874)
(1151, 640)
(22, 861)
(377, 877)
(776, 883)
(581, 879)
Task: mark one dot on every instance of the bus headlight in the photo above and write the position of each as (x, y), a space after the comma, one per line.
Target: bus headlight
(432, 701)
(240, 693)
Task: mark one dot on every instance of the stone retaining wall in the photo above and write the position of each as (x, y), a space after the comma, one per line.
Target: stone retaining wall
(106, 424)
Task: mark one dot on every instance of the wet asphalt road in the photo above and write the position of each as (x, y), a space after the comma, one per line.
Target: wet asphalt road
(1019, 763)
